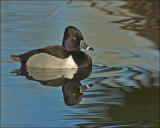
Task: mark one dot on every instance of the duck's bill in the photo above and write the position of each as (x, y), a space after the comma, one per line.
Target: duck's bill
(83, 88)
(85, 46)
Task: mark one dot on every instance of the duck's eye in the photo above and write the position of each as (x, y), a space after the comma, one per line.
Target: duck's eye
(74, 94)
(74, 38)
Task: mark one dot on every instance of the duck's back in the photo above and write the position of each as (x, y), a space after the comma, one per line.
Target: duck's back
(48, 57)
(53, 57)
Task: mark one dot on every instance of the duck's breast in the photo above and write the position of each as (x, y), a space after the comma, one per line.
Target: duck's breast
(44, 60)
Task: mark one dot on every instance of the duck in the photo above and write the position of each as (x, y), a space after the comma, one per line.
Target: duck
(69, 55)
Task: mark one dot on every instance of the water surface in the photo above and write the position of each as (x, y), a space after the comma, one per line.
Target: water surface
(124, 82)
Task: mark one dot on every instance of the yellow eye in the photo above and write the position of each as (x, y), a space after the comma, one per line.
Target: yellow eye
(74, 94)
(74, 38)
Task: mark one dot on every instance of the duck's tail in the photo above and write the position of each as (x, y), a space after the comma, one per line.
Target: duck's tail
(16, 58)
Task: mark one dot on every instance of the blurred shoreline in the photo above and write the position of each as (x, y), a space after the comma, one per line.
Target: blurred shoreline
(146, 23)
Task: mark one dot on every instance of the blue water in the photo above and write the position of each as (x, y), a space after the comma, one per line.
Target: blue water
(125, 72)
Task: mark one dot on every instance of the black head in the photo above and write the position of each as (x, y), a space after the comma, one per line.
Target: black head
(72, 39)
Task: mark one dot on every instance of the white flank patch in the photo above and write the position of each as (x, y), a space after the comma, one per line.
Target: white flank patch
(44, 60)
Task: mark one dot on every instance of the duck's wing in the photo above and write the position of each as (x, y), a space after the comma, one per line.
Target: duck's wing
(57, 51)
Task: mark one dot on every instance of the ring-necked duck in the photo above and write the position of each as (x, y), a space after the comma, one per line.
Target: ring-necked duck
(68, 55)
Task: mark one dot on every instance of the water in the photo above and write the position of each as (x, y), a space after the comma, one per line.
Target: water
(123, 84)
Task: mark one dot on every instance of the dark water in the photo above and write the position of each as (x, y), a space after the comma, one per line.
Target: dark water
(121, 90)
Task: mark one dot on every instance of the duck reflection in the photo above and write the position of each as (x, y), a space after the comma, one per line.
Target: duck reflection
(69, 79)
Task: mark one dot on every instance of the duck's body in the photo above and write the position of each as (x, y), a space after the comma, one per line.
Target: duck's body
(66, 56)
(54, 57)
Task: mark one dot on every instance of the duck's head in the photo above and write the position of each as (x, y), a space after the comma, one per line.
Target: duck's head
(73, 39)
